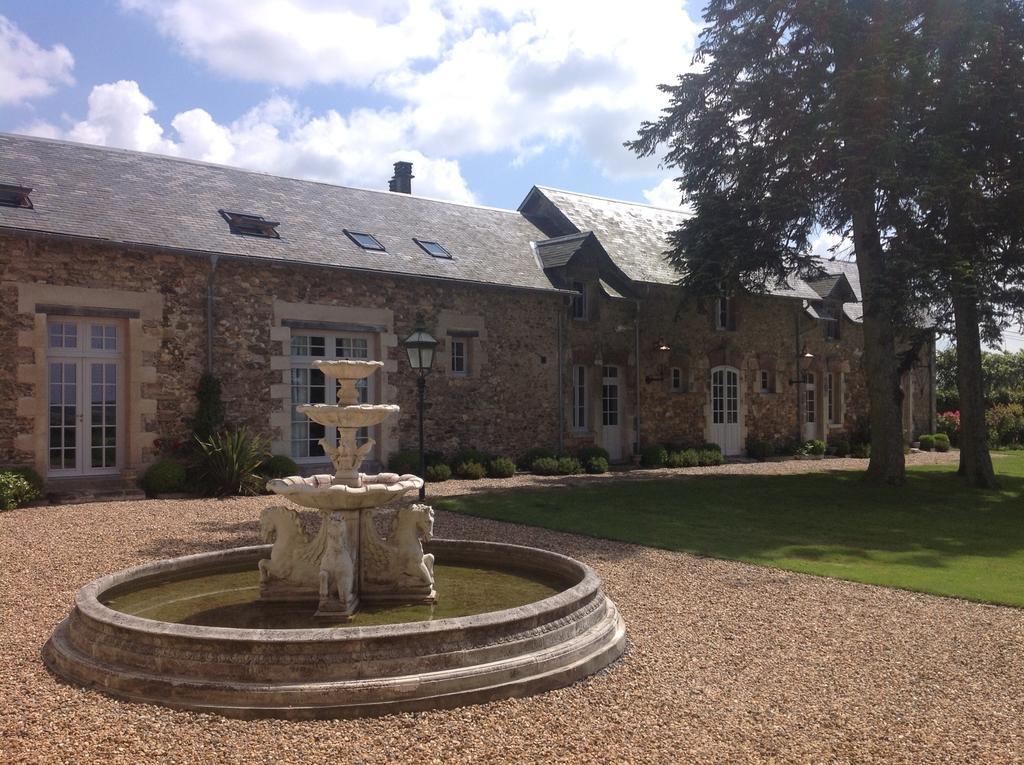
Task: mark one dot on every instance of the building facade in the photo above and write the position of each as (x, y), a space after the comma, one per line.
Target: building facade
(125, 276)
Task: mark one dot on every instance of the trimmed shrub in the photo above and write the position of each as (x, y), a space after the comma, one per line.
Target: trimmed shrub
(653, 455)
(948, 423)
(545, 466)
(164, 477)
(707, 446)
(674, 460)
(501, 467)
(861, 450)
(569, 466)
(813, 448)
(708, 457)
(689, 458)
(15, 490)
(438, 472)
(585, 454)
(941, 442)
(927, 443)
(209, 418)
(227, 463)
(597, 465)
(526, 459)
(470, 470)
(404, 462)
(279, 466)
(841, 447)
(759, 449)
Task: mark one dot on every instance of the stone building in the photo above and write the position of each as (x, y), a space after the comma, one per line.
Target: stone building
(125, 276)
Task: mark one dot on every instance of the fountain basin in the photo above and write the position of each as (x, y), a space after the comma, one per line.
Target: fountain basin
(352, 416)
(341, 671)
(319, 492)
(347, 369)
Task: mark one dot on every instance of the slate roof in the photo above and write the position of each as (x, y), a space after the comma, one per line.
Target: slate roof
(136, 198)
(558, 251)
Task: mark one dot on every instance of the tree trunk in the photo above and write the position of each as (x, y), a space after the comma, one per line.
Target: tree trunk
(975, 460)
(881, 367)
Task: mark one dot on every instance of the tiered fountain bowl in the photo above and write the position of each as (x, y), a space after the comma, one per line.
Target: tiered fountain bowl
(354, 621)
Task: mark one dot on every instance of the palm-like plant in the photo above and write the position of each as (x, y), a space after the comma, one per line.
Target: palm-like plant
(228, 461)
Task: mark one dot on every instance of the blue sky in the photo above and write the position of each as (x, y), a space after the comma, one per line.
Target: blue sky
(486, 97)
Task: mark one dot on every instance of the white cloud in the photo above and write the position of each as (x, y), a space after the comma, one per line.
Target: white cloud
(665, 194)
(470, 76)
(827, 245)
(275, 137)
(27, 70)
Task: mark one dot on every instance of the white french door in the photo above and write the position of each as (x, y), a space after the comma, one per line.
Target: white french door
(725, 409)
(84, 390)
(809, 406)
(611, 430)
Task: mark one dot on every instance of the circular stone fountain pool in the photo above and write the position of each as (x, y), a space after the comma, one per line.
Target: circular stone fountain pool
(192, 633)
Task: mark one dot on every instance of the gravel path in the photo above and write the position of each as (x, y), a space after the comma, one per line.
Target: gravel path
(727, 663)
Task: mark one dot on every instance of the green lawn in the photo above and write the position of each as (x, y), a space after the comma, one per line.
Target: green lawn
(932, 535)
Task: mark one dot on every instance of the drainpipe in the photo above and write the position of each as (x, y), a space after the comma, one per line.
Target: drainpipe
(561, 380)
(214, 259)
(636, 354)
(799, 381)
(932, 424)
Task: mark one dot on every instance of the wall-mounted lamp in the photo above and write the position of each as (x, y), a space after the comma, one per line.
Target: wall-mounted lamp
(661, 350)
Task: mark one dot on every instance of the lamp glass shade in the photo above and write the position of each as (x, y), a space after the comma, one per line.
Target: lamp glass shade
(420, 347)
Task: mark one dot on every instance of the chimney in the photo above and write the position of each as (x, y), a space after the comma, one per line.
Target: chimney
(402, 181)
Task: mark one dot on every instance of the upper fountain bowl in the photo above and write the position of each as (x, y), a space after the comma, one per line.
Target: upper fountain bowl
(354, 416)
(321, 493)
(347, 369)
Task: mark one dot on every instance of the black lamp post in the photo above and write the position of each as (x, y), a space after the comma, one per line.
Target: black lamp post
(420, 346)
(661, 350)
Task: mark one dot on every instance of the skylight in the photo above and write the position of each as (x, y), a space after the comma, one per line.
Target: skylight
(433, 248)
(366, 241)
(251, 225)
(15, 196)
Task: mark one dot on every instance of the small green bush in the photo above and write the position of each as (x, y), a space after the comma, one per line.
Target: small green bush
(841, 447)
(927, 443)
(861, 450)
(708, 457)
(545, 466)
(15, 490)
(438, 473)
(689, 458)
(585, 454)
(674, 460)
(30, 475)
(707, 446)
(569, 466)
(470, 470)
(470, 455)
(279, 466)
(760, 449)
(941, 442)
(404, 462)
(653, 455)
(227, 463)
(597, 465)
(526, 459)
(812, 448)
(501, 467)
(164, 477)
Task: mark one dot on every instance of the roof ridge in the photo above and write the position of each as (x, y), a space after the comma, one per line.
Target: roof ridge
(611, 199)
(566, 237)
(219, 166)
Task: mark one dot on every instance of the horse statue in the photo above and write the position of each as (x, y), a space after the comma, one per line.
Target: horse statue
(294, 558)
(399, 561)
(337, 569)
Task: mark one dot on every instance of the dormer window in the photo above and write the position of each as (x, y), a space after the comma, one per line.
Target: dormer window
(245, 224)
(725, 313)
(579, 300)
(366, 241)
(830, 313)
(433, 248)
(15, 196)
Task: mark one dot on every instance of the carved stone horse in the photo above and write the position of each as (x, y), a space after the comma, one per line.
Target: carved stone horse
(294, 558)
(415, 525)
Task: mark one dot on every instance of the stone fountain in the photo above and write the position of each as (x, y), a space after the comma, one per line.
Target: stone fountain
(349, 560)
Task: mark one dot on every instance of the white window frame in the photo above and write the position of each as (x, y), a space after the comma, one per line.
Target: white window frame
(579, 301)
(300, 366)
(579, 398)
(765, 381)
(459, 364)
(723, 312)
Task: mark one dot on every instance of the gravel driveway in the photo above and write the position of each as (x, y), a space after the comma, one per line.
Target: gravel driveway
(727, 663)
